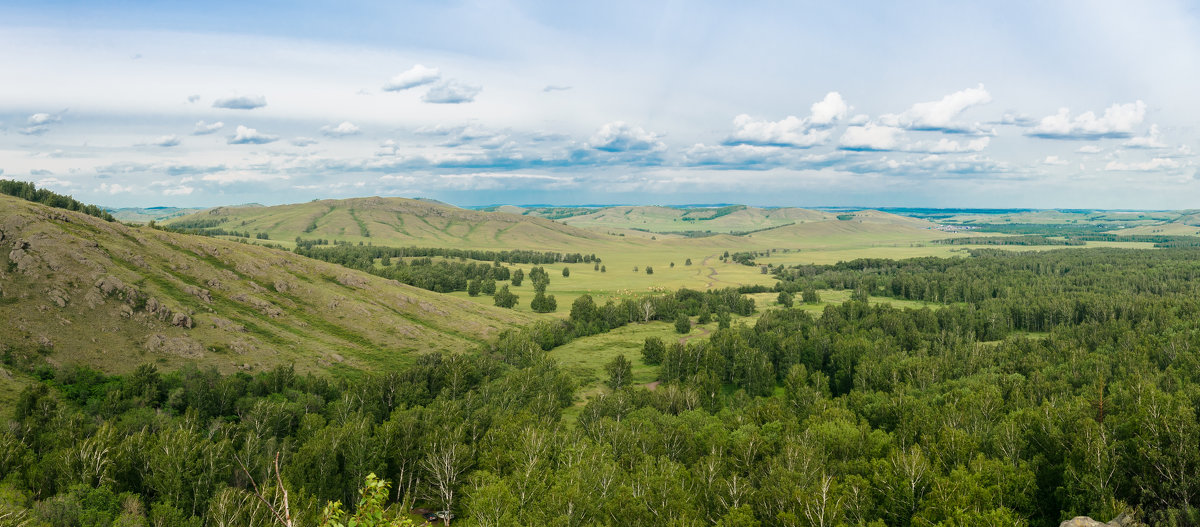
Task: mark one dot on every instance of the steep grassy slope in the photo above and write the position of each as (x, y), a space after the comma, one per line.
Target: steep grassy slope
(396, 222)
(78, 289)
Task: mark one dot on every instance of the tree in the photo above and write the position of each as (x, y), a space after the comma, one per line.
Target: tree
(566, 272)
(784, 299)
(504, 297)
(672, 265)
(473, 287)
(810, 295)
(653, 350)
(649, 270)
(596, 267)
(603, 268)
(683, 324)
(619, 370)
(371, 510)
(687, 262)
(488, 287)
(543, 303)
(517, 277)
(445, 466)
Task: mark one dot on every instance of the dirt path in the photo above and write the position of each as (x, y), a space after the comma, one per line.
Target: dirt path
(712, 272)
(704, 332)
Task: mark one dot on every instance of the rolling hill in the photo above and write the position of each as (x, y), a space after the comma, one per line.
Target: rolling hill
(729, 219)
(394, 222)
(74, 288)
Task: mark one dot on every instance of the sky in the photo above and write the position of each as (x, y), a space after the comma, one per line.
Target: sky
(880, 104)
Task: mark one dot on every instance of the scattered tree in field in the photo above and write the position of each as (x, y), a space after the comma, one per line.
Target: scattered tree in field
(635, 269)
(488, 287)
(672, 265)
(566, 272)
(653, 350)
(543, 303)
(596, 267)
(784, 299)
(603, 269)
(474, 286)
(688, 262)
(504, 297)
(619, 370)
(518, 276)
(649, 270)
(705, 316)
(810, 295)
(683, 324)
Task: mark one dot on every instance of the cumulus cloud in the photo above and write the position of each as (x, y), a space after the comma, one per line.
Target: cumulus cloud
(250, 136)
(1055, 160)
(791, 131)
(418, 75)
(39, 123)
(829, 109)
(165, 141)
(451, 92)
(1158, 163)
(947, 146)
(243, 102)
(203, 128)
(735, 156)
(182, 190)
(115, 188)
(1118, 121)
(871, 136)
(941, 115)
(304, 141)
(341, 130)
(241, 176)
(1090, 149)
(1153, 139)
(618, 136)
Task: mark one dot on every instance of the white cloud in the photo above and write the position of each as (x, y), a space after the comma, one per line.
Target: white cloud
(791, 131)
(203, 128)
(242, 102)
(39, 123)
(115, 188)
(182, 190)
(1090, 149)
(193, 98)
(947, 146)
(241, 176)
(1055, 160)
(940, 115)
(618, 136)
(451, 92)
(1153, 139)
(1118, 121)
(165, 141)
(418, 75)
(826, 111)
(1158, 163)
(250, 136)
(304, 141)
(341, 130)
(870, 137)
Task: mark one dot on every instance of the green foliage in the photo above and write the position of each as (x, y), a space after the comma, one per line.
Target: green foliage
(566, 272)
(543, 303)
(649, 270)
(371, 510)
(505, 298)
(29, 192)
(653, 350)
(683, 324)
(518, 276)
(474, 286)
(619, 371)
(784, 299)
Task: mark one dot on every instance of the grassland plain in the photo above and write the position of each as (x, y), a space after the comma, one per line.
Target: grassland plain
(77, 289)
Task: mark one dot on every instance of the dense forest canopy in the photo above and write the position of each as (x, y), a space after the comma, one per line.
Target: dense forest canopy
(1036, 387)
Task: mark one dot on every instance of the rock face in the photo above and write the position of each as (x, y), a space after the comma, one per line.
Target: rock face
(1122, 520)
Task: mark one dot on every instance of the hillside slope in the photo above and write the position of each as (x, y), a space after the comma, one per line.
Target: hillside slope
(718, 220)
(79, 289)
(394, 222)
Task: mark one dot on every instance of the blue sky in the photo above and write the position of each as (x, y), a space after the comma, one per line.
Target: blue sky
(944, 104)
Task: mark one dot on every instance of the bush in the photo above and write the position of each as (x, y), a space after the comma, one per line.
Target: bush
(683, 324)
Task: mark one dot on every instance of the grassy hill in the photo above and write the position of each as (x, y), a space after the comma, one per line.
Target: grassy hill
(394, 222)
(75, 288)
(731, 219)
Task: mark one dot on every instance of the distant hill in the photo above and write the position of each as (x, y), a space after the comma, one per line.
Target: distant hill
(75, 288)
(394, 222)
(146, 215)
(726, 219)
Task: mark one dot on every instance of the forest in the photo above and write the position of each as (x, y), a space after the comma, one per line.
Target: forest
(1033, 387)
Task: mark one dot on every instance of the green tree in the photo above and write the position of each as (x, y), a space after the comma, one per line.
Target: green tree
(784, 299)
(683, 324)
(649, 270)
(518, 276)
(810, 295)
(488, 287)
(653, 350)
(371, 510)
(473, 287)
(619, 371)
(687, 262)
(504, 297)
(566, 272)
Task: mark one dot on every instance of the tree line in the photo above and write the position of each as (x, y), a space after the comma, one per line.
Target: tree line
(29, 192)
